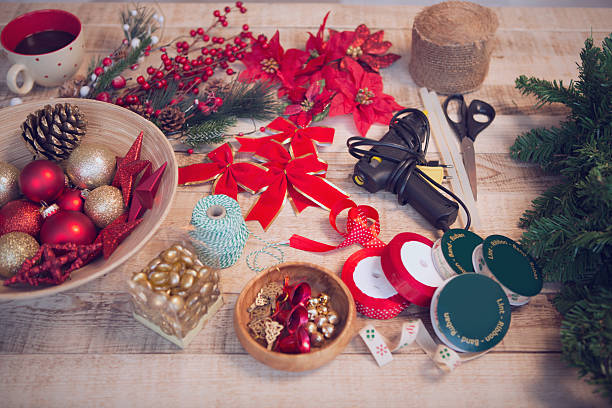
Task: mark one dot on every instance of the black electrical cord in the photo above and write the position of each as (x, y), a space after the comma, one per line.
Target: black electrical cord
(398, 180)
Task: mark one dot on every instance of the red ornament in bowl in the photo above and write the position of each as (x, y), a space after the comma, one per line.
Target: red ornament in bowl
(21, 216)
(42, 180)
(68, 227)
(71, 200)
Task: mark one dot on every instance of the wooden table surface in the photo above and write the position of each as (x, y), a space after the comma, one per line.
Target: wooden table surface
(83, 348)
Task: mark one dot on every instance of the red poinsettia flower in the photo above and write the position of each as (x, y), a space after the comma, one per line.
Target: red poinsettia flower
(313, 102)
(270, 62)
(360, 93)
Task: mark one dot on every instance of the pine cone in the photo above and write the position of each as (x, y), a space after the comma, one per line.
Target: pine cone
(216, 85)
(171, 119)
(71, 88)
(54, 132)
(141, 110)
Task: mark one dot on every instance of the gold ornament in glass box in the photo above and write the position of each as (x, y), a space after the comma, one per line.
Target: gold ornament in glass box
(175, 294)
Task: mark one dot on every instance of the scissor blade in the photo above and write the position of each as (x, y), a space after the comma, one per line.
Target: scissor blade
(469, 160)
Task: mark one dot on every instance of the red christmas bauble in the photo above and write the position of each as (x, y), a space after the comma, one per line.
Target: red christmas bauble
(42, 180)
(68, 227)
(71, 200)
(21, 216)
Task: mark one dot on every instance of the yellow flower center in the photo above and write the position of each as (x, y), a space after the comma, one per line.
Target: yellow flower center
(269, 65)
(354, 52)
(364, 96)
(307, 105)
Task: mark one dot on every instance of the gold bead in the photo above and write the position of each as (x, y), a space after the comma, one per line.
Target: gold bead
(323, 298)
(91, 165)
(316, 339)
(322, 310)
(310, 327)
(320, 321)
(313, 302)
(9, 183)
(328, 330)
(103, 205)
(312, 313)
(15, 248)
(332, 317)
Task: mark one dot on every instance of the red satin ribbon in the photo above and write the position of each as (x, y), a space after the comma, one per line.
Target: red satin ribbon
(357, 229)
(297, 177)
(228, 176)
(301, 140)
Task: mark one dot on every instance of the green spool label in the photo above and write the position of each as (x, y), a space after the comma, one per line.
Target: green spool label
(457, 246)
(511, 265)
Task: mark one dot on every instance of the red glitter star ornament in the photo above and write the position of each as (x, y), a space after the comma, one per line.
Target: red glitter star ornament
(147, 187)
(111, 236)
(52, 264)
(128, 167)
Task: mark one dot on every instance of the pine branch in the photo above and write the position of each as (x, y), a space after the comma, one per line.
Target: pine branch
(548, 92)
(541, 146)
(106, 78)
(142, 25)
(249, 100)
(586, 334)
(208, 132)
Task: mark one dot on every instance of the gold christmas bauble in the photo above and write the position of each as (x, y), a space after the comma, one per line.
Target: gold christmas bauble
(91, 165)
(316, 339)
(15, 247)
(310, 327)
(103, 205)
(332, 317)
(328, 330)
(9, 183)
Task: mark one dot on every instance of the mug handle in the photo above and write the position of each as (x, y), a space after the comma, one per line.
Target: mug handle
(11, 79)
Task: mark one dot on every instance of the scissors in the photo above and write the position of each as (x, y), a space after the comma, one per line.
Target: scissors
(467, 128)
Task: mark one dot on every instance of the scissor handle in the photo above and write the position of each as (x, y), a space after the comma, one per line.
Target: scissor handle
(477, 107)
(460, 126)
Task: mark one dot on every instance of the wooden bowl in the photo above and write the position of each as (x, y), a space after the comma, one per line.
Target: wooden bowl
(320, 280)
(116, 128)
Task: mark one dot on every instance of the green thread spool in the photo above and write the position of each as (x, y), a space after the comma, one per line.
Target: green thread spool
(220, 231)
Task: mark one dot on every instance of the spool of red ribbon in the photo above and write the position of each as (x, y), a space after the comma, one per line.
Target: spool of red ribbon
(374, 296)
(407, 264)
(362, 227)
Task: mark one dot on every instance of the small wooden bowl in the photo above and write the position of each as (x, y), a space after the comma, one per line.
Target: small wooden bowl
(320, 280)
(116, 128)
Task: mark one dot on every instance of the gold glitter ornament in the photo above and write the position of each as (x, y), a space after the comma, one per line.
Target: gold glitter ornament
(320, 321)
(332, 317)
(91, 165)
(323, 298)
(103, 205)
(310, 327)
(316, 339)
(9, 183)
(15, 248)
(328, 330)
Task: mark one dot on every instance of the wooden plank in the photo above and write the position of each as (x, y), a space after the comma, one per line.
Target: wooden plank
(87, 322)
(238, 380)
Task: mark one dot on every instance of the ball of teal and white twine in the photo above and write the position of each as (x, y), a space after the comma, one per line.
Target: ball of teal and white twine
(220, 234)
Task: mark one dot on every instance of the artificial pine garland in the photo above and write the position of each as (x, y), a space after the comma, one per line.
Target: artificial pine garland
(568, 227)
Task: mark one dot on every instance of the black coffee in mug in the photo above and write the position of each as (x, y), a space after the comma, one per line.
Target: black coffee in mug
(44, 42)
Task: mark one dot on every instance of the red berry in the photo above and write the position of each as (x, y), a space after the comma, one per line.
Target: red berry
(200, 31)
(243, 10)
(209, 71)
(176, 77)
(141, 80)
(157, 112)
(231, 58)
(223, 65)
(261, 38)
(98, 71)
(192, 33)
(185, 45)
(147, 53)
(208, 61)
(204, 51)
(240, 55)
(120, 101)
(134, 67)
(179, 44)
(118, 82)
(213, 51)
(150, 70)
(218, 101)
(265, 46)
(262, 129)
(186, 67)
(146, 86)
(239, 4)
(164, 82)
(103, 96)
(222, 18)
(163, 49)
(107, 62)
(181, 85)
(206, 38)
(224, 23)
(159, 85)
(190, 151)
(240, 134)
(173, 102)
(216, 13)
(220, 40)
(159, 75)
(230, 71)
(149, 110)
(135, 99)
(245, 27)
(197, 80)
(204, 109)
(195, 91)
(227, 9)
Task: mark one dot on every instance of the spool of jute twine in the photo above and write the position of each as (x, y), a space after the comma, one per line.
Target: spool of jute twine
(451, 46)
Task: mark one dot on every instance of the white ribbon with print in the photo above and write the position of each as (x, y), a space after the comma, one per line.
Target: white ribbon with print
(414, 331)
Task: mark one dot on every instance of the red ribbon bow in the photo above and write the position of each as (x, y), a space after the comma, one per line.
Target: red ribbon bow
(296, 177)
(357, 229)
(227, 174)
(302, 139)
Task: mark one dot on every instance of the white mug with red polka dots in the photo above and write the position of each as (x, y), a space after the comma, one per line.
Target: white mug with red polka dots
(45, 46)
